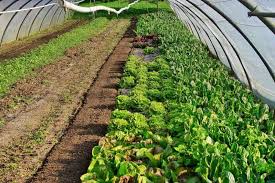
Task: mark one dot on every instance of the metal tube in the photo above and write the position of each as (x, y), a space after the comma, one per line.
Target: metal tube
(261, 14)
(252, 6)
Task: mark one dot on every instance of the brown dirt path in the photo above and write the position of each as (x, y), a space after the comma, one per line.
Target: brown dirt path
(38, 109)
(71, 157)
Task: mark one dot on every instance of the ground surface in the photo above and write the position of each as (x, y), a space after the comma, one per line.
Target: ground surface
(71, 157)
(18, 48)
(40, 108)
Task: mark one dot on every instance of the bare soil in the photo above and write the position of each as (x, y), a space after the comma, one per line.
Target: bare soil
(38, 110)
(71, 157)
(15, 49)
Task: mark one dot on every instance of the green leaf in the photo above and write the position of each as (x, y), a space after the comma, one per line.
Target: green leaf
(96, 150)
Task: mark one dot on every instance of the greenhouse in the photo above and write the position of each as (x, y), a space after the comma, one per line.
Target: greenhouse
(137, 91)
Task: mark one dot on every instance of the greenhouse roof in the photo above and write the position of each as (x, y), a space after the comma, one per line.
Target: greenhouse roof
(244, 44)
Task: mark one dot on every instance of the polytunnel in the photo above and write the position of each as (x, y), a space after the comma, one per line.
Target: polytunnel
(244, 44)
(137, 91)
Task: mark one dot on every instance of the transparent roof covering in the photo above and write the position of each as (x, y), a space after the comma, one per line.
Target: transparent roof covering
(244, 44)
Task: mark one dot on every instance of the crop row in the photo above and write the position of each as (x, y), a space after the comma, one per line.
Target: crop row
(185, 119)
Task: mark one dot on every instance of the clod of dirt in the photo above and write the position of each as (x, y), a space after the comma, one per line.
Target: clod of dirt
(124, 91)
(72, 53)
(138, 52)
(126, 179)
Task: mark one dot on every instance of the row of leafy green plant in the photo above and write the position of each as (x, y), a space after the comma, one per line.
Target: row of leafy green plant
(185, 119)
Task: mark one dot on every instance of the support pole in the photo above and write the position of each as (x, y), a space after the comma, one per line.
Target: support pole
(158, 6)
(252, 6)
(262, 14)
(62, 4)
(94, 12)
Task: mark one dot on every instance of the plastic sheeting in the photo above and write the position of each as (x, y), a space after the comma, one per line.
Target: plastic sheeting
(17, 25)
(244, 44)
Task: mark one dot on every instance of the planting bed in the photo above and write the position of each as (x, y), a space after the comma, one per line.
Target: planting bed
(183, 118)
(12, 50)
